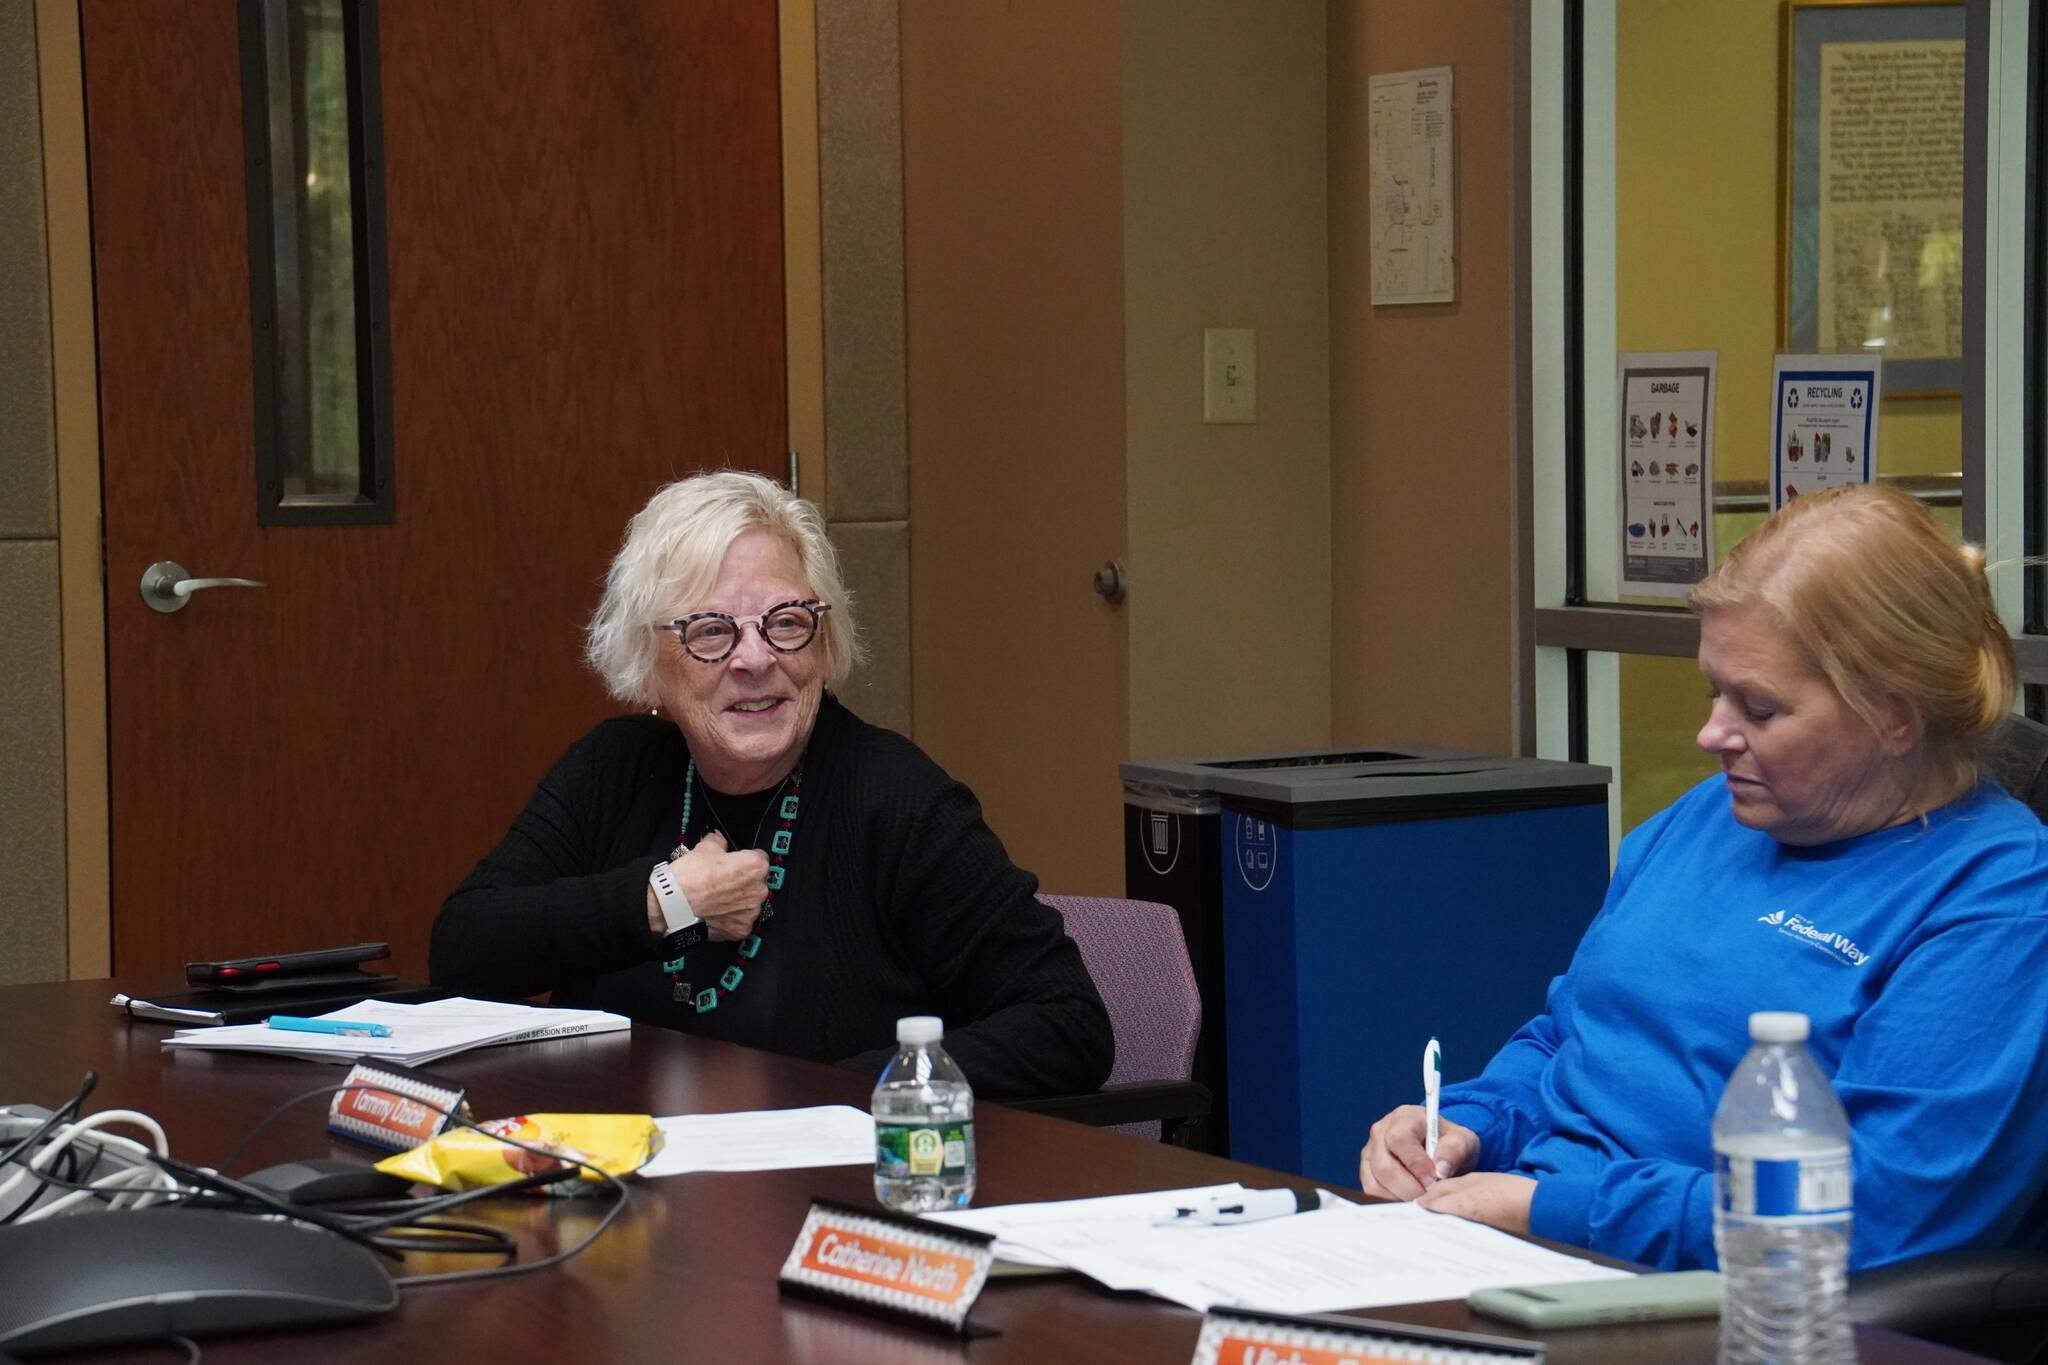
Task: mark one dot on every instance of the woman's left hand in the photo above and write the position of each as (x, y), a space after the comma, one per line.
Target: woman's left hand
(1489, 1197)
(725, 888)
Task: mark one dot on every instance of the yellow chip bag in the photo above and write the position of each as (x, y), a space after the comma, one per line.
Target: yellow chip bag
(470, 1158)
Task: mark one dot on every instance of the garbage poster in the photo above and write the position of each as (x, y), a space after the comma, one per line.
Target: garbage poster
(1667, 471)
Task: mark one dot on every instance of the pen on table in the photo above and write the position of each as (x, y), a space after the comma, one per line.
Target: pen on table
(1432, 1090)
(352, 1028)
(1252, 1206)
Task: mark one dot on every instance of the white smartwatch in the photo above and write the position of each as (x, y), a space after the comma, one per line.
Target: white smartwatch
(685, 930)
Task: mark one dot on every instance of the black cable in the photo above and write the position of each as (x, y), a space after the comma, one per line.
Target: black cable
(319, 1093)
(426, 1208)
(392, 1227)
(449, 1235)
(497, 1272)
(37, 1134)
(229, 1195)
(400, 1213)
(83, 1180)
(57, 1116)
(205, 1179)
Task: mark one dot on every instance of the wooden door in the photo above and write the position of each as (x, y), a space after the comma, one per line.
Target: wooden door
(583, 207)
(1013, 209)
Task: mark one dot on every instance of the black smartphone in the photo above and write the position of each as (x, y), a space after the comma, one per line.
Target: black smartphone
(243, 971)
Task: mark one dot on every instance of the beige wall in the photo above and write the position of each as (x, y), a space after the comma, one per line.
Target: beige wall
(1225, 225)
(1337, 572)
(1422, 440)
(1087, 189)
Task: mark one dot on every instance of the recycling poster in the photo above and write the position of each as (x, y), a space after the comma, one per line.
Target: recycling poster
(1667, 471)
(1824, 424)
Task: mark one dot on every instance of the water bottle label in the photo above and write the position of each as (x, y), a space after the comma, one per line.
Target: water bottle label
(1814, 1189)
(924, 1149)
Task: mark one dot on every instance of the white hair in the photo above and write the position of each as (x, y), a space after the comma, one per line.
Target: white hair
(671, 554)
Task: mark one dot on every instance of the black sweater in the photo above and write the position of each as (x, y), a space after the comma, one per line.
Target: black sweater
(899, 900)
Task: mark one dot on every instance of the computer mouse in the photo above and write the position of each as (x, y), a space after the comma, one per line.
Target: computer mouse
(98, 1279)
(326, 1180)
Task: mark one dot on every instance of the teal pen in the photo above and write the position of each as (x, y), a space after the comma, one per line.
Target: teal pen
(352, 1028)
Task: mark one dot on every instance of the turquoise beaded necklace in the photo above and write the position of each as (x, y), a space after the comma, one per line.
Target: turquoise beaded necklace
(729, 980)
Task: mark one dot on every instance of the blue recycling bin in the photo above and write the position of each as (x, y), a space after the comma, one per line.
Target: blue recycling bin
(1373, 899)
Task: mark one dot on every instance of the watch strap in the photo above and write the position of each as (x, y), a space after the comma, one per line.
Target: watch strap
(685, 930)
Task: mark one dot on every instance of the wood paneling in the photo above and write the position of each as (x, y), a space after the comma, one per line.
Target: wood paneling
(584, 239)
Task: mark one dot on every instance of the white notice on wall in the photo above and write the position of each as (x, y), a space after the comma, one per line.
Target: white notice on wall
(1667, 471)
(1413, 258)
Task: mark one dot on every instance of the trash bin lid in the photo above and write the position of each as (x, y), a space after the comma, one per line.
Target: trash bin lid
(1196, 777)
(1372, 783)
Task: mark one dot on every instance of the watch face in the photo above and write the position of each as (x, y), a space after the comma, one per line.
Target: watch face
(684, 939)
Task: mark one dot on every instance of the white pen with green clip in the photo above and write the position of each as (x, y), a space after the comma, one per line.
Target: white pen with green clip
(1432, 1090)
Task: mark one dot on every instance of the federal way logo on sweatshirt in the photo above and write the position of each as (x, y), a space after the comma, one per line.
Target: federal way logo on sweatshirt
(1838, 946)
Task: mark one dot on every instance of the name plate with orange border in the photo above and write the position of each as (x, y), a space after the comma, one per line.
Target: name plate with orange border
(393, 1107)
(888, 1264)
(1241, 1337)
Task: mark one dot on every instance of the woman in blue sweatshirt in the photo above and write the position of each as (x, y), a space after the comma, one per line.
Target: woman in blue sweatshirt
(1851, 862)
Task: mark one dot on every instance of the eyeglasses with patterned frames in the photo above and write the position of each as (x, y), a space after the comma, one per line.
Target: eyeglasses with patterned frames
(711, 636)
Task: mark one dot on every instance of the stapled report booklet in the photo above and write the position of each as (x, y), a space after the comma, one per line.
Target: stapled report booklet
(418, 1034)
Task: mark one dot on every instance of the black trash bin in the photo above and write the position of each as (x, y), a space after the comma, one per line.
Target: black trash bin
(1173, 855)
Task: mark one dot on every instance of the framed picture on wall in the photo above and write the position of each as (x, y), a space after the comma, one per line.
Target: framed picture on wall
(1873, 186)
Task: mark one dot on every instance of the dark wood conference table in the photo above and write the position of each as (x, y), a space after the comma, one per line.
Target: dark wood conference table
(688, 1272)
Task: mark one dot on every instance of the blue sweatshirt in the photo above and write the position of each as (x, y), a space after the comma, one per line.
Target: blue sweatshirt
(1919, 952)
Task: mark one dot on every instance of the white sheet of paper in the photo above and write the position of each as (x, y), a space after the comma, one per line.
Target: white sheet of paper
(764, 1140)
(1343, 1256)
(1012, 1225)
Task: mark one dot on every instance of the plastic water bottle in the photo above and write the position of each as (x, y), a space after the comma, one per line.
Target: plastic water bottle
(924, 1124)
(1782, 1204)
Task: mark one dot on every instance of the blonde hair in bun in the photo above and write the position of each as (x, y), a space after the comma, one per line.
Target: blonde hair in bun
(1884, 605)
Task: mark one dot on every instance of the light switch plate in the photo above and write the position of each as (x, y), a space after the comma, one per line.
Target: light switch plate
(1230, 374)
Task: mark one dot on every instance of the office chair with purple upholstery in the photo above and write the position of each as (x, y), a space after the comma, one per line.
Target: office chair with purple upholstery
(1135, 952)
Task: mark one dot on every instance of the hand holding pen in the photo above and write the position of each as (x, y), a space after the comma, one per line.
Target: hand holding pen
(1414, 1146)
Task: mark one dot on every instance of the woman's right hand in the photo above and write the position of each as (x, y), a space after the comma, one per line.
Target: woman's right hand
(1395, 1163)
(726, 889)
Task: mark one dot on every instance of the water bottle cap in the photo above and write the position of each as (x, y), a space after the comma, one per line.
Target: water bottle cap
(1778, 1026)
(920, 1028)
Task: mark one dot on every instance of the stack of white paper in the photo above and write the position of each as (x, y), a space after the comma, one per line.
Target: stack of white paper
(764, 1140)
(419, 1033)
(1342, 1256)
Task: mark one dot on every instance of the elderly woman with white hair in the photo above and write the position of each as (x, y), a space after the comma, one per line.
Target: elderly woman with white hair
(745, 859)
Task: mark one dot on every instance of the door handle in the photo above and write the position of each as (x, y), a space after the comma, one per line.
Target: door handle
(166, 585)
(1110, 584)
